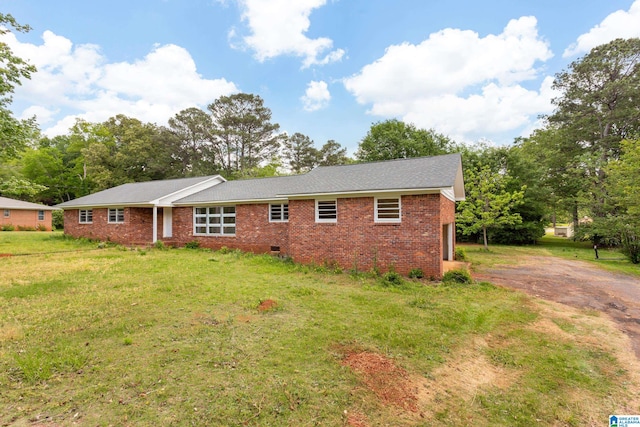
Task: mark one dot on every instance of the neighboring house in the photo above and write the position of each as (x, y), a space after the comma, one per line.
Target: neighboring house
(24, 215)
(397, 214)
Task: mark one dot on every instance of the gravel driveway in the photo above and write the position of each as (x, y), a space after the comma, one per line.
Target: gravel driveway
(577, 284)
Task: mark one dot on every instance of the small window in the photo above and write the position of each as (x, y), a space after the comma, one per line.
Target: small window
(116, 215)
(40, 215)
(7, 213)
(86, 216)
(326, 210)
(388, 210)
(279, 213)
(216, 220)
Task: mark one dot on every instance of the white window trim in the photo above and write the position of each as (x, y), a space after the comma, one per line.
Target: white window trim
(326, 220)
(43, 215)
(387, 220)
(86, 211)
(7, 213)
(282, 218)
(117, 211)
(222, 225)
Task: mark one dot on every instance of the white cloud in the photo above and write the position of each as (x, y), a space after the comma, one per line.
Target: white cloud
(78, 81)
(278, 27)
(316, 96)
(619, 24)
(459, 83)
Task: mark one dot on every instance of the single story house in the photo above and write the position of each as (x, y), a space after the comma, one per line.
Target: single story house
(25, 215)
(397, 214)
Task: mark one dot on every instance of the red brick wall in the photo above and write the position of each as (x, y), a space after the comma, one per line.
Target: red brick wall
(136, 229)
(254, 232)
(356, 241)
(25, 218)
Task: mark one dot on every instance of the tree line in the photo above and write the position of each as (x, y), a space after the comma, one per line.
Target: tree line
(582, 165)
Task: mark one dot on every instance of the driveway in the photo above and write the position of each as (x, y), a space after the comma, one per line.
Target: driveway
(577, 284)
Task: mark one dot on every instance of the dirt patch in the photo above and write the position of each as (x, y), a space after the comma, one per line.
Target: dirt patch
(577, 284)
(356, 419)
(389, 382)
(461, 377)
(267, 305)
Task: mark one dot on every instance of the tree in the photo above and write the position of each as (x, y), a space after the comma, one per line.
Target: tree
(624, 224)
(599, 106)
(194, 149)
(14, 133)
(243, 133)
(299, 152)
(394, 139)
(488, 204)
(332, 153)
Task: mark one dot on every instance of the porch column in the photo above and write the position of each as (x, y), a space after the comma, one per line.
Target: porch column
(155, 224)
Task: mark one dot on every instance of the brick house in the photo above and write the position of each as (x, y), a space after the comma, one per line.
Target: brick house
(396, 214)
(26, 215)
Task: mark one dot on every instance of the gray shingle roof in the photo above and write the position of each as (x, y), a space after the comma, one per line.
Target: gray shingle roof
(139, 193)
(7, 203)
(392, 175)
(244, 190)
(401, 174)
(423, 173)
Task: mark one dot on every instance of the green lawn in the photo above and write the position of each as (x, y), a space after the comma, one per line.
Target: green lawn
(115, 336)
(609, 259)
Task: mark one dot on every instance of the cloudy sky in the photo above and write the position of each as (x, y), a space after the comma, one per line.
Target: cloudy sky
(326, 68)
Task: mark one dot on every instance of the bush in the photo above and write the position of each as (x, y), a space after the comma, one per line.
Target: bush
(8, 227)
(41, 227)
(416, 273)
(457, 276)
(392, 278)
(194, 244)
(460, 254)
(57, 220)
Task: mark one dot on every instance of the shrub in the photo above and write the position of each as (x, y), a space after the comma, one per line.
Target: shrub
(8, 227)
(457, 276)
(416, 273)
(392, 278)
(57, 220)
(159, 244)
(460, 254)
(41, 227)
(25, 228)
(194, 244)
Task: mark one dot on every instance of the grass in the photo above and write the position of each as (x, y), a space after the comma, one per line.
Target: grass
(610, 259)
(175, 337)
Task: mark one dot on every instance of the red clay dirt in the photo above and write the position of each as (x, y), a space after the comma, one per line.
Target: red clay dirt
(577, 284)
(389, 382)
(267, 305)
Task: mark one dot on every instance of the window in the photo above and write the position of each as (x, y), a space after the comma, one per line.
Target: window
(215, 221)
(279, 213)
(86, 216)
(116, 215)
(326, 211)
(7, 213)
(388, 210)
(40, 215)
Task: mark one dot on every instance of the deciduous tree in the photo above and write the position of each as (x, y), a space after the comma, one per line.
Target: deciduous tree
(488, 204)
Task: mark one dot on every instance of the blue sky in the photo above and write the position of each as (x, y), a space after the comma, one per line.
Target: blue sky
(326, 68)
